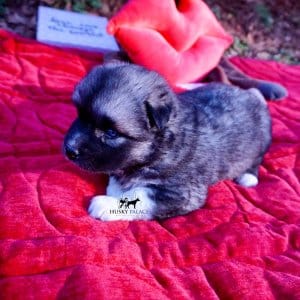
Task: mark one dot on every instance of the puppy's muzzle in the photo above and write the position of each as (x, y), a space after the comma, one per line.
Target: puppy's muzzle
(71, 152)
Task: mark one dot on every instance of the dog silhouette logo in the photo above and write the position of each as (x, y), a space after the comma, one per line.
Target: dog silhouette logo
(122, 202)
(126, 203)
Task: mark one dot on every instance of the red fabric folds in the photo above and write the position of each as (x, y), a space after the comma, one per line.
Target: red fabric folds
(244, 244)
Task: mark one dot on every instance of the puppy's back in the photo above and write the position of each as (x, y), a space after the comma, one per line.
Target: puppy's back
(234, 128)
(226, 106)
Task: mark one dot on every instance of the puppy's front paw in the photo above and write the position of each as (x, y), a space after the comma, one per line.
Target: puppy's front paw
(100, 207)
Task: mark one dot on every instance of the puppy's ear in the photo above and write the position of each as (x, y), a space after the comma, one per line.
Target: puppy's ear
(159, 106)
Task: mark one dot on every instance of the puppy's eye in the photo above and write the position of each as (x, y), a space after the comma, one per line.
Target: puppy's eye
(111, 134)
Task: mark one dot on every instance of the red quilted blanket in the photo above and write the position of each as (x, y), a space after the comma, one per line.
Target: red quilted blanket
(244, 244)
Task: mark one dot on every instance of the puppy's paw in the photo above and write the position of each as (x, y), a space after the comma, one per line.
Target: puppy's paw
(247, 180)
(100, 207)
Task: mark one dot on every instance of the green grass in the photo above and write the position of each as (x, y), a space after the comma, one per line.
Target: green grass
(240, 45)
(75, 5)
(264, 14)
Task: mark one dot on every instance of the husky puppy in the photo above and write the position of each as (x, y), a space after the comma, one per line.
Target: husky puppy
(163, 148)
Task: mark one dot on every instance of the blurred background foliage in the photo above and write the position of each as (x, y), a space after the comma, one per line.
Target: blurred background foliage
(78, 6)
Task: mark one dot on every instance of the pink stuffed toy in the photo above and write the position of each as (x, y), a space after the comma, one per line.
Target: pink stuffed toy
(182, 42)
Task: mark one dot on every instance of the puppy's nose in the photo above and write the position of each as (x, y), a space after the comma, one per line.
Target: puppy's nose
(71, 152)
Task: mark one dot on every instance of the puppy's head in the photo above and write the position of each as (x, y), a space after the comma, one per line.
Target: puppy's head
(123, 109)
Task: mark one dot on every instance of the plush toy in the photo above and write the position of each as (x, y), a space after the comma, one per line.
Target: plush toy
(183, 41)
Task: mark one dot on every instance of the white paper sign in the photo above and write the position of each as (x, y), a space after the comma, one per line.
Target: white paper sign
(64, 28)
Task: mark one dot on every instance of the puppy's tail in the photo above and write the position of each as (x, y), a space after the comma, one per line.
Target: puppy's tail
(271, 91)
(228, 73)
